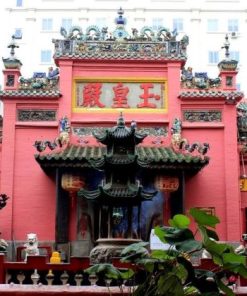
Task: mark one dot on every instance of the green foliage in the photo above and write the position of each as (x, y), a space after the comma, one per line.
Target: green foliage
(108, 271)
(135, 252)
(179, 221)
(137, 247)
(170, 272)
(202, 218)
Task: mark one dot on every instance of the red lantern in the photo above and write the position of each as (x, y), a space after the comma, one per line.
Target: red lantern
(72, 183)
(167, 184)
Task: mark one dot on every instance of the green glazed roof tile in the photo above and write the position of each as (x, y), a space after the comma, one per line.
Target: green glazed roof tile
(147, 157)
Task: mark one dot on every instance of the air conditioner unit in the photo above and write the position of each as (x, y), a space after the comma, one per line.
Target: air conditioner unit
(234, 34)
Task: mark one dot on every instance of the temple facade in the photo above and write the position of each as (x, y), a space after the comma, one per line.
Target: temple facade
(118, 138)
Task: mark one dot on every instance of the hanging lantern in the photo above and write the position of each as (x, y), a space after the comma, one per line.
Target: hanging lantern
(167, 184)
(72, 183)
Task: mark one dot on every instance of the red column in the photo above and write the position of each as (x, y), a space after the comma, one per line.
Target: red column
(7, 168)
(231, 170)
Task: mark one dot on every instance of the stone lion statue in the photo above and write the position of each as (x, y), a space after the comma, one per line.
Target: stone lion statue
(31, 246)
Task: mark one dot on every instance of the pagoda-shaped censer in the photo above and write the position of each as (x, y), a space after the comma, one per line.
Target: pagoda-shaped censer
(117, 200)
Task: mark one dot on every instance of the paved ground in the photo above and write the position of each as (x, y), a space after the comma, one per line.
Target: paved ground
(39, 290)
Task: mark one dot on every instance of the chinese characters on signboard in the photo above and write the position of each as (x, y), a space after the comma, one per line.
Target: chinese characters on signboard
(166, 183)
(120, 95)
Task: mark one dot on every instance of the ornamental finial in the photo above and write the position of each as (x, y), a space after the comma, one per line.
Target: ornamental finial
(120, 20)
(12, 46)
(226, 46)
(120, 121)
(12, 62)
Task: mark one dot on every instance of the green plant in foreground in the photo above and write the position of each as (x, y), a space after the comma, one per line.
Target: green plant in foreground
(170, 272)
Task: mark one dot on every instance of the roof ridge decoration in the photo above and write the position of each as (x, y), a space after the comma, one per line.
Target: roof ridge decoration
(230, 97)
(120, 132)
(179, 155)
(161, 158)
(242, 121)
(39, 84)
(178, 143)
(41, 81)
(30, 93)
(119, 44)
(199, 80)
(62, 141)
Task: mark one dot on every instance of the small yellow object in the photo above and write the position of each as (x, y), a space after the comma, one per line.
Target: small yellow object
(55, 258)
(243, 183)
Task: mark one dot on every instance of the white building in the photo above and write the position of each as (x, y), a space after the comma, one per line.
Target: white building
(206, 22)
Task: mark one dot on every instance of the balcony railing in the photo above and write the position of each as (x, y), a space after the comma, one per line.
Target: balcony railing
(39, 277)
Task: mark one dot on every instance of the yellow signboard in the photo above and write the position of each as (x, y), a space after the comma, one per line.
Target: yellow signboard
(119, 93)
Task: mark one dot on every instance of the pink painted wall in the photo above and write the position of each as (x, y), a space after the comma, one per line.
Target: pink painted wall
(33, 189)
(32, 204)
(110, 70)
(31, 207)
(217, 184)
(209, 182)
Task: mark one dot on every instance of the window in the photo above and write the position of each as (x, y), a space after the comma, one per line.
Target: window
(19, 3)
(212, 25)
(10, 80)
(101, 22)
(47, 24)
(178, 24)
(157, 23)
(232, 25)
(229, 80)
(213, 57)
(45, 56)
(234, 55)
(18, 33)
(66, 24)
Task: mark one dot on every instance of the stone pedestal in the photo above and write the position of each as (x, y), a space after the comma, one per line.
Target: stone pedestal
(108, 249)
